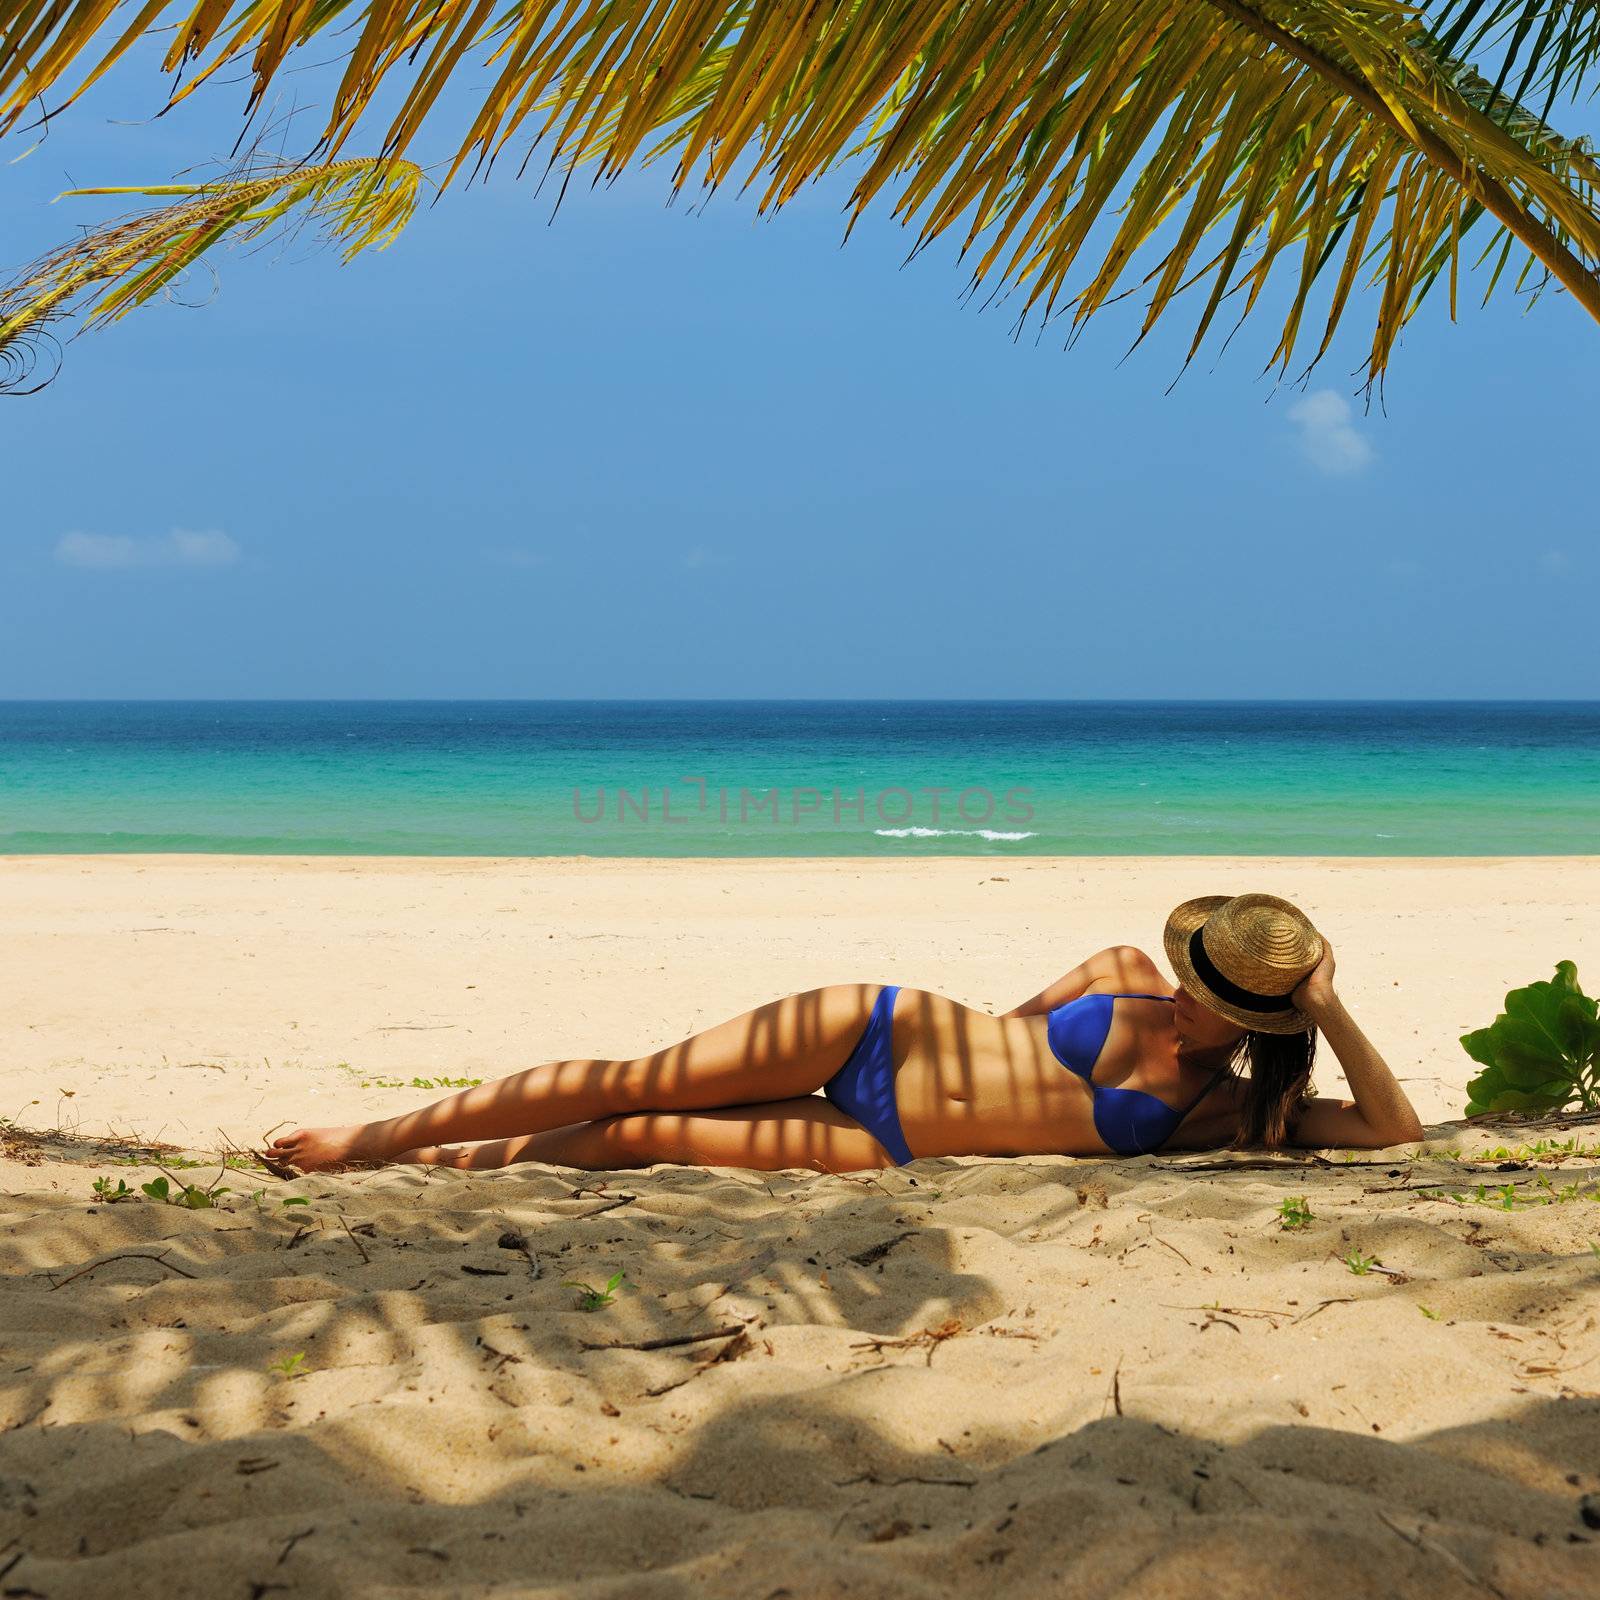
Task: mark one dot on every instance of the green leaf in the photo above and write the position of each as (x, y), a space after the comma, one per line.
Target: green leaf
(156, 1188)
(1540, 1052)
(1486, 1093)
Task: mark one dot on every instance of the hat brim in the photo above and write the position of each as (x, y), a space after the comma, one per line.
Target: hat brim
(1175, 939)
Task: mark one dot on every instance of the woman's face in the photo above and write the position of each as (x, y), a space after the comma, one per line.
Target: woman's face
(1200, 1028)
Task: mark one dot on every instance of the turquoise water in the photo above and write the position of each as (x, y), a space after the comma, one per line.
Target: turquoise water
(800, 778)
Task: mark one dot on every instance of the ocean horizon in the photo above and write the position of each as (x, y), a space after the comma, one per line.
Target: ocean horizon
(800, 777)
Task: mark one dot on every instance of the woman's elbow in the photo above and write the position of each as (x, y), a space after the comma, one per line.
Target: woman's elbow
(1403, 1129)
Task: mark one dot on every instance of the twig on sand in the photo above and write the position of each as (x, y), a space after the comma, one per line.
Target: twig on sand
(1264, 1164)
(931, 1337)
(610, 1205)
(229, 1148)
(501, 1358)
(293, 1540)
(1172, 1247)
(278, 1169)
(867, 1181)
(1322, 1305)
(668, 1342)
(1116, 1387)
(366, 1260)
(1420, 1541)
(126, 1255)
(1523, 1119)
(731, 1351)
(1232, 1311)
(894, 1483)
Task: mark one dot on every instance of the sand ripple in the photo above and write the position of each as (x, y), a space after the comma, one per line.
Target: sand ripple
(1056, 1377)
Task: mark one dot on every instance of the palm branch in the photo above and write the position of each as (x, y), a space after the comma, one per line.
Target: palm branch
(111, 269)
(1187, 143)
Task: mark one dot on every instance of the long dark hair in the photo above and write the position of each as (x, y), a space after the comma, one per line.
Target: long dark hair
(1279, 1077)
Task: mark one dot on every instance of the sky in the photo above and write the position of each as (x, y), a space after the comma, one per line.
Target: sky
(640, 451)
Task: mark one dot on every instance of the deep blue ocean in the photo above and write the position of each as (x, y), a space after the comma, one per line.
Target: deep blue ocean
(806, 778)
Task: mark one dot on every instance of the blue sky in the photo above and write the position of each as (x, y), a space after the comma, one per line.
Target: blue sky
(642, 452)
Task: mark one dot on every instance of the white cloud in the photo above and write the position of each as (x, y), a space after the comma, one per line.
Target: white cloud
(110, 552)
(1327, 437)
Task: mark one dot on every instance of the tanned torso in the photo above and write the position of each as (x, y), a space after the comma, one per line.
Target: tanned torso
(968, 1082)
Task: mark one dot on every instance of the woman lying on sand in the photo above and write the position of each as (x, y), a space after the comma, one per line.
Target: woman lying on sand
(1111, 1059)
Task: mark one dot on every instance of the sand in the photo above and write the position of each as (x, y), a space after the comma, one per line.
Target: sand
(964, 1377)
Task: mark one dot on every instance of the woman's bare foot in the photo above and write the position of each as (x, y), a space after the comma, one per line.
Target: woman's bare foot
(328, 1149)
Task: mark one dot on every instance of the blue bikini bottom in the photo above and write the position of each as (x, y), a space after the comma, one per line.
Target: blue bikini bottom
(863, 1088)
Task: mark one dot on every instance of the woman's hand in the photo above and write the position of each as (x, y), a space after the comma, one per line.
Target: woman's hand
(1314, 993)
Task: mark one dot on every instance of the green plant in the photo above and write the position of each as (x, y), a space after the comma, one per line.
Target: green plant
(1294, 1213)
(173, 1193)
(592, 1299)
(1541, 1150)
(1542, 1053)
(104, 1191)
(1431, 1315)
(290, 1366)
(1359, 1264)
(1507, 1197)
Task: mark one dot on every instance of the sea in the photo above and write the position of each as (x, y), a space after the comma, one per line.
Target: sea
(800, 778)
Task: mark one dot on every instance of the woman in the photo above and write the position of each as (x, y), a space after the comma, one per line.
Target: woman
(1111, 1059)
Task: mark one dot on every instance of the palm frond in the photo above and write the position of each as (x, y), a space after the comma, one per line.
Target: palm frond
(111, 269)
(1546, 46)
(1185, 140)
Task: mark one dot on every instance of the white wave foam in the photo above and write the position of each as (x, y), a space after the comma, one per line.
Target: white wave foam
(950, 833)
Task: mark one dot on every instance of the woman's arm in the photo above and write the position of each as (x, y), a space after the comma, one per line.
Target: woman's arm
(1120, 968)
(1379, 1114)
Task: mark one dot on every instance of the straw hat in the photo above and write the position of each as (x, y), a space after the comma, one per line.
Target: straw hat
(1243, 956)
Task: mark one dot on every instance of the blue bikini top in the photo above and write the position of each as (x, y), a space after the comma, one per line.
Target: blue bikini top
(1129, 1121)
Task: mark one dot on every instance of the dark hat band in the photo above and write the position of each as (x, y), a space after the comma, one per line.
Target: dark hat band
(1224, 988)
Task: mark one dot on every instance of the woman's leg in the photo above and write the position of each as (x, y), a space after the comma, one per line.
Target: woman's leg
(805, 1132)
(786, 1048)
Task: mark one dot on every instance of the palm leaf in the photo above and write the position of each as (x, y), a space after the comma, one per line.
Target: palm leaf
(1547, 46)
(111, 269)
(1180, 140)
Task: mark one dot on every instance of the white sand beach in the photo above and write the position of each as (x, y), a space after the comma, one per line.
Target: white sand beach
(973, 1376)
(173, 996)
